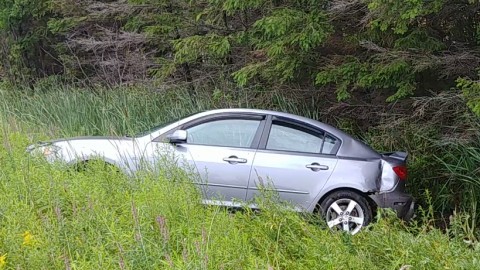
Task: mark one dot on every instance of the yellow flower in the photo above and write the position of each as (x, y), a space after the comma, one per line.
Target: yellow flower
(27, 238)
(3, 261)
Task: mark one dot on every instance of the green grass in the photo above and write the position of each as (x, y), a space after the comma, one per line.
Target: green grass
(70, 112)
(53, 218)
(102, 219)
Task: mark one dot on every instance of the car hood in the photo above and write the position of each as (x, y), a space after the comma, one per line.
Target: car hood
(93, 138)
(80, 140)
(71, 148)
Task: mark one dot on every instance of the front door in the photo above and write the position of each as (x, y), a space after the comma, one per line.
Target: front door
(222, 149)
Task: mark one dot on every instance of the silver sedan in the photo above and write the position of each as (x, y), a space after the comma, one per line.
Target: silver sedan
(236, 152)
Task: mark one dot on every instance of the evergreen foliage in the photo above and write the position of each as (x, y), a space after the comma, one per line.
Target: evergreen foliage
(23, 38)
(393, 48)
(471, 92)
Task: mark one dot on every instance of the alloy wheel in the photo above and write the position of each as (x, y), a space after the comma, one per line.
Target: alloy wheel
(345, 214)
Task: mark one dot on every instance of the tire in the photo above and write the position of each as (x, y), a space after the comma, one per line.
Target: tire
(334, 210)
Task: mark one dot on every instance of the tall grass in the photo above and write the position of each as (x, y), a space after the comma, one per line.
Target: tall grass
(52, 218)
(68, 111)
(103, 219)
(444, 171)
(461, 166)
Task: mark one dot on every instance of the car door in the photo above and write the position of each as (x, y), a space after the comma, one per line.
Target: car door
(221, 149)
(295, 159)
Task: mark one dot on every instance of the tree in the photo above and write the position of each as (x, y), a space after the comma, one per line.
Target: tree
(392, 49)
(24, 40)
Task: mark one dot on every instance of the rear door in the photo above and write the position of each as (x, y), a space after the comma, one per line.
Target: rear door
(295, 159)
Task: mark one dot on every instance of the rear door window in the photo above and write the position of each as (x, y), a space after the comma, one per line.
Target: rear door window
(285, 136)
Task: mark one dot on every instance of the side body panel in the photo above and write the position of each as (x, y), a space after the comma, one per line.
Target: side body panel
(360, 175)
(123, 153)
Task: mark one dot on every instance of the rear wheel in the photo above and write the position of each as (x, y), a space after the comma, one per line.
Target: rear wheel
(346, 210)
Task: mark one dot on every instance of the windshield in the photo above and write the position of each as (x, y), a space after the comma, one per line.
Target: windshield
(144, 133)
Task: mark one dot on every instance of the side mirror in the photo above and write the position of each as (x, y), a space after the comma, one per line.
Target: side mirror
(179, 136)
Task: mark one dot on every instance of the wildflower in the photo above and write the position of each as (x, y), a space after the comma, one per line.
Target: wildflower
(28, 238)
(3, 261)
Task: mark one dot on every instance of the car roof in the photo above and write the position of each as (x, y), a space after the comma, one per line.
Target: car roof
(321, 125)
(350, 147)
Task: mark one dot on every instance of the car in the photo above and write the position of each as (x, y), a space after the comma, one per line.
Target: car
(314, 166)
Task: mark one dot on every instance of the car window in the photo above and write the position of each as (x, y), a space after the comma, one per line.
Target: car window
(329, 145)
(287, 138)
(155, 128)
(226, 132)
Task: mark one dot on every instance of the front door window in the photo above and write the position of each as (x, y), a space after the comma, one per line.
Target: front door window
(227, 132)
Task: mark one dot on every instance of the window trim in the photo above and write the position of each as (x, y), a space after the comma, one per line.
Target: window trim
(223, 116)
(301, 125)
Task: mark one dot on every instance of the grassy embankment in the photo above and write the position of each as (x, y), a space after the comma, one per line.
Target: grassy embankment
(51, 218)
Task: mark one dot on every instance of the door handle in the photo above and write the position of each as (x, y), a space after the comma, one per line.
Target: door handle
(234, 160)
(317, 167)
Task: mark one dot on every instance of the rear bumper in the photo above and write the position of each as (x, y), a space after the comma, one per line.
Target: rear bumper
(402, 203)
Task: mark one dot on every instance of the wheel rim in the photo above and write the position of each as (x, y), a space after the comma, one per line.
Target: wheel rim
(346, 215)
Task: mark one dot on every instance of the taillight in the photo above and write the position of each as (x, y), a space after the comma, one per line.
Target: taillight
(401, 171)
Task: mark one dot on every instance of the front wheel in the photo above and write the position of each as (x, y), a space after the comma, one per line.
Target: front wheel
(346, 210)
